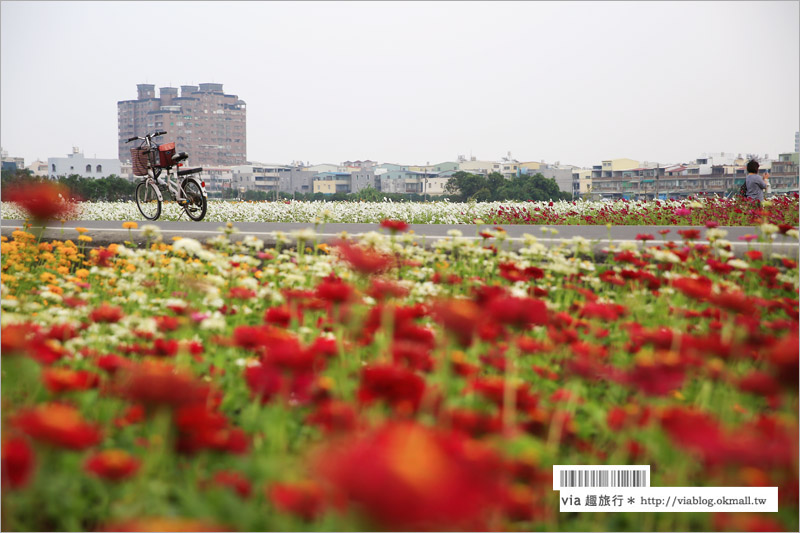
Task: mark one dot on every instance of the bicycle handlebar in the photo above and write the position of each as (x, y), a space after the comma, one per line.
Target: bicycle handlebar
(156, 133)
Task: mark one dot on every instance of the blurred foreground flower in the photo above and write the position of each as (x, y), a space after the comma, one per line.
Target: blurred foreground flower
(42, 201)
(405, 476)
(58, 424)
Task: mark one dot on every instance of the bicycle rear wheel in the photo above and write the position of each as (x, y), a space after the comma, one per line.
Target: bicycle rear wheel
(196, 204)
(147, 200)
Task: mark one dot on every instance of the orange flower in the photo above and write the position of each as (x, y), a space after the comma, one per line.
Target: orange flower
(113, 465)
(64, 380)
(157, 523)
(58, 424)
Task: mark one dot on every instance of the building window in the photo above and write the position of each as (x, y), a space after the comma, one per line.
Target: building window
(88, 168)
(99, 168)
(54, 167)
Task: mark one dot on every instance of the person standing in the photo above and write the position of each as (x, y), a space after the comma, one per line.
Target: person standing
(755, 184)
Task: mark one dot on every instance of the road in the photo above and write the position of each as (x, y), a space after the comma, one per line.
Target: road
(106, 232)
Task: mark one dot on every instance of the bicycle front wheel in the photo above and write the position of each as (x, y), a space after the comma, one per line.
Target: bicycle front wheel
(147, 200)
(196, 204)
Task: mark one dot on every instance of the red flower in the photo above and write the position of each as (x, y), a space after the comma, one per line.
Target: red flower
(113, 465)
(58, 424)
(102, 257)
(754, 255)
(16, 338)
(656, 379)
(333, 417)
(18, 462)
(460, 317)
(64, 380)
(305, 499)
(334, 290)
(234, 481)
(602, 311)
(380, 289)
(761, 383)
(517, 312)
(111, 363)
(399, 387)
(133, 415)
(106, 314)
(404, 476)
(280, 316)
(42, 201)
(62, 332)
(167, 323)
(241, 293)
(363, 260)
(645, 237)
(697, 288)
(693, 430)
(474, 423)
(165, 347)
(154, 383)
(689, 234)
(201, 428)
(267, 381)
(394, 225)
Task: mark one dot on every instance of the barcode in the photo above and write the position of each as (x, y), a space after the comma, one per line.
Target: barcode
(603, 478)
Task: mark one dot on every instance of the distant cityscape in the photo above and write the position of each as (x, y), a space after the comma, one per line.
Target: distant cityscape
(211, 127)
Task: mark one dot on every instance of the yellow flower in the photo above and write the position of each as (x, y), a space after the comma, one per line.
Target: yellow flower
(130, 225)
(85, 238)
(81, 230)
(82, 273)
(47, 277)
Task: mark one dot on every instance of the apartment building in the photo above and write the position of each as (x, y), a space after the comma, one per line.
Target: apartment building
(203, 121)
(581, 182)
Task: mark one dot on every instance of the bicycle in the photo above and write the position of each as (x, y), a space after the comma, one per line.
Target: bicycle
(190, 193)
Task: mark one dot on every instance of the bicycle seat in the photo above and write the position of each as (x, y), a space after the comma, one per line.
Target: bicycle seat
(180, 156)
(190, 171)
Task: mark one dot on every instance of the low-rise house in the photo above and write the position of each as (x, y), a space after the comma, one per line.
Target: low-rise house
(85, 167)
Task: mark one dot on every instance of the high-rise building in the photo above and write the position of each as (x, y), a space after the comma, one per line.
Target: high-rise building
(203, 121)
(797, 141)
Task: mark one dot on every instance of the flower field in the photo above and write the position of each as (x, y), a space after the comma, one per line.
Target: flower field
(378, 385)
(725, 212)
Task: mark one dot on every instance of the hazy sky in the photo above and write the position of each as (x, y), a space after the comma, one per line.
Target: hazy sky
(412, 82)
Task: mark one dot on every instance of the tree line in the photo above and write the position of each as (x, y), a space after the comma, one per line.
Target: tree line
(494, 188)
(462, 187)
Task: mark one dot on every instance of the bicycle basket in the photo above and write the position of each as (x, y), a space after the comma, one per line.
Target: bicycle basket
(165, 153)
(140, 157)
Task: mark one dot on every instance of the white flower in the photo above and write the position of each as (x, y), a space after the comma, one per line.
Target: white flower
(190, 246)
(307, 234)
(151, 231)
(716, 233)
(793, 233)
(738, 263)
(768, 228)
(253, 242)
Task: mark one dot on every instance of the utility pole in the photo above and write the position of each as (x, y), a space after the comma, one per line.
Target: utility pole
(656, 198)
